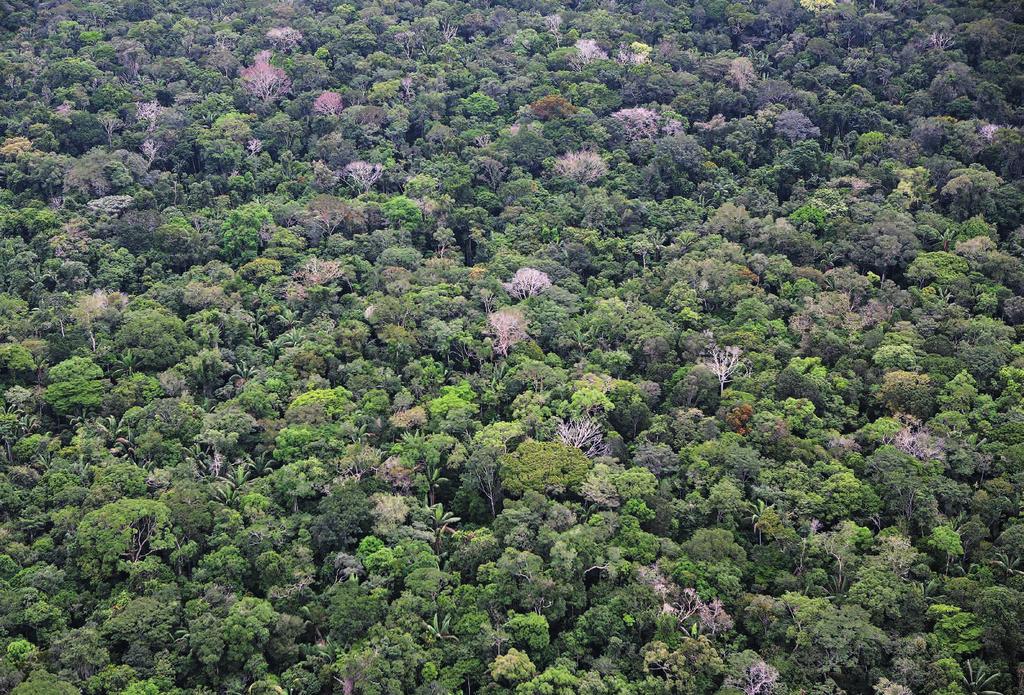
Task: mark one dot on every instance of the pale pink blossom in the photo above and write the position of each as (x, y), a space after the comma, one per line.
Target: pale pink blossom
(508, 327)
(639, 123)
(989, 130)
(284, 38)
(527, 282)
(264, 81)
(584, 166)
(328, 104)
(318, 271)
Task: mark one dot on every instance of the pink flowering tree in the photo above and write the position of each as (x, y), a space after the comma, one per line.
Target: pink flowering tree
(638, 123)
(583, 167)
(989, 130)
(264, 81)
(507, 327)
(328, 104)
(527, 282)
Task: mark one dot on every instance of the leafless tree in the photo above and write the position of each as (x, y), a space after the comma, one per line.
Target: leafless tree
(587, 51)
(759, 678)
(491, 170)
(723, 362)
(326, 213)
(918, 441)
(686, 604)
(449, 30)
(318, 271)
(147, 112)
(628, 55)
(713, 618)
(741, 73)
(111, 124)
(150, 149)
(554, 25)
(527, 282)
(639, 123)
(585, 435)
(940, 41)
(363, 174)
(407, 88)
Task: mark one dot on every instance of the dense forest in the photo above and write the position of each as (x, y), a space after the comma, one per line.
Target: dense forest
(506, 347)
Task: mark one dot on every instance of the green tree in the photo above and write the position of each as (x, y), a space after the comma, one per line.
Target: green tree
(43, 683)
(76, 385)
(127, 530)
(546, 467)
(243, 232)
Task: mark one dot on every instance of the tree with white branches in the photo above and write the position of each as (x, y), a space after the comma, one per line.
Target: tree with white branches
(527, 282)
(758, 678)
(723, 362)
(585, 435)
(587, 51)
(363, 174)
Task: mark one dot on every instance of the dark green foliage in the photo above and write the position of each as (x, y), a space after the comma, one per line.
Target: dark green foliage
(516, 348)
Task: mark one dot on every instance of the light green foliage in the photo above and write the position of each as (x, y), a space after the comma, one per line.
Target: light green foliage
(76, 384)
(43, 683)
(956, 632)
(127, 530)
(241, 233)
(479, 105)
(513, 667)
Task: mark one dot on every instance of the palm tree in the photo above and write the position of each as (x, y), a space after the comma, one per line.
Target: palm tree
(757, 513)
(441, 522)
(125, 363)
(1007, 564)
(440, 629)
(243, 372)
(9, 429)
(947, 236)
(977, 683)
